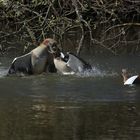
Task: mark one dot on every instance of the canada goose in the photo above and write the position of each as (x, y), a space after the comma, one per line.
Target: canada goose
(70, 63)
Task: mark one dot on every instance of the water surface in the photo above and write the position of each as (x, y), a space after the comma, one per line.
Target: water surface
(90, 106)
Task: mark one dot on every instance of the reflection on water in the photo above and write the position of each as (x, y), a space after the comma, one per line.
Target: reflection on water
(30, 120)
(89, 106)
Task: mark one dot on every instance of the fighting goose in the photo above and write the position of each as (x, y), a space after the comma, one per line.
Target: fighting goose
(38, 60)
(70, 64)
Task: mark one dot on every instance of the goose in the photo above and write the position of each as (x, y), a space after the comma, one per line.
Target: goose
(130, 80)
(70, 64)
(38, 60)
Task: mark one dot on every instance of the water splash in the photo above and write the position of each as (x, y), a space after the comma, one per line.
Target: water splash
(3, 71)
(96, 72)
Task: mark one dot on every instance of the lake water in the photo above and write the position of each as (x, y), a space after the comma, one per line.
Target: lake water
(90, 106)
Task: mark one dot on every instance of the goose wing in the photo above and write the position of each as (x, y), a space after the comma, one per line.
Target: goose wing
(75, 63)
(131, 80)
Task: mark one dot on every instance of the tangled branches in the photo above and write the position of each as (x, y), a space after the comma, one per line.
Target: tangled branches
(107, 24)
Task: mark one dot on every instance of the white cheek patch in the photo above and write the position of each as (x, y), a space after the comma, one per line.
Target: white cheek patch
(62, 55)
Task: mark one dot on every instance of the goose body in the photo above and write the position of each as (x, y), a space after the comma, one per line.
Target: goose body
(70, 64)
(62, 66)
(75, 63)
(38, 60)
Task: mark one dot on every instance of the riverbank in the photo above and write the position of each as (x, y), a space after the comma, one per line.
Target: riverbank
(97, 26)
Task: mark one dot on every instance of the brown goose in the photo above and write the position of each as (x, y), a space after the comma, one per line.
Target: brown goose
(38, 60)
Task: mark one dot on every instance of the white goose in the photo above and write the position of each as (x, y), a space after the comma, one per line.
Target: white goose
(130, 80)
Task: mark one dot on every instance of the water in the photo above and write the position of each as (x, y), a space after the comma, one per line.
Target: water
(90, 106)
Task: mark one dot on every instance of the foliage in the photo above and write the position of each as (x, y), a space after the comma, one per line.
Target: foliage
(106, 23)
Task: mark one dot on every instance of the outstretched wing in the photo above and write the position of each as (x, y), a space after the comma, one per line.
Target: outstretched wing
(131, 80)
(75, 63)
(21, 64)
